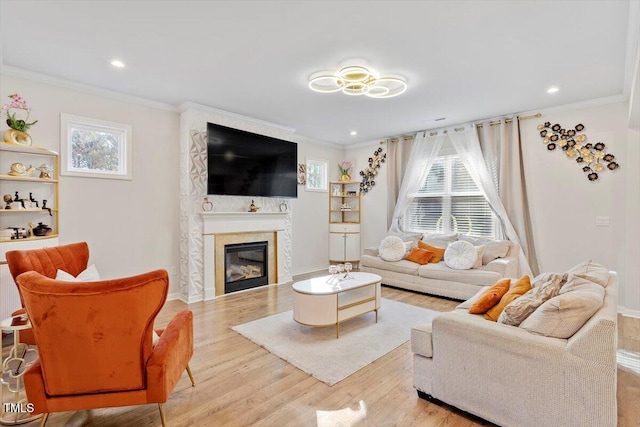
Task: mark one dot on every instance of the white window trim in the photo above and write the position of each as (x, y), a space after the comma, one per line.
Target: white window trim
(325, 176)
(67, 121)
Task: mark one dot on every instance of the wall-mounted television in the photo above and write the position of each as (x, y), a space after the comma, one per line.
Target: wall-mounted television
(241, 163)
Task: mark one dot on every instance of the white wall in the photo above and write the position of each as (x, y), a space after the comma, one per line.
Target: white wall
(310, 222)
(373, 217)
(131, 226)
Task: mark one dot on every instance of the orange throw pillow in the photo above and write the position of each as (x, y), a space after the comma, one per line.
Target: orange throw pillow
(419, 255)
(491, 297)
(520, 288)
(438, 253)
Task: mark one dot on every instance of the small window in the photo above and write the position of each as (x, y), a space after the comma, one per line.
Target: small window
(316, 175)
(95, 148)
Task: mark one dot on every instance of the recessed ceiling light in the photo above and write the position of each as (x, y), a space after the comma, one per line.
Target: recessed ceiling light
(353, 133)
(117, 63)
(553, 89)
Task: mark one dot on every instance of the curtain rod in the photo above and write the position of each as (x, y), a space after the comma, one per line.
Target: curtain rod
(510, 120)
(406, 137)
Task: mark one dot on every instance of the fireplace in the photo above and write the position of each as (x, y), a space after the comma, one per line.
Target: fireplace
(228, 228)
(245, 266)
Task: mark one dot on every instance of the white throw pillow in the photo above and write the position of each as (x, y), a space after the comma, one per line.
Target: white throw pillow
(461, 255)
(155, 338)
(89, 275)
(392, 248)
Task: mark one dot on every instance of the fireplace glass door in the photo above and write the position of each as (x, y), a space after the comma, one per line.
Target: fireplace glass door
(245, 266)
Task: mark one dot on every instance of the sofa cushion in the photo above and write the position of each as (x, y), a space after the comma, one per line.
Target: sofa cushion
(563, 315)
(441, 271)
(518, 289)
(402, 266)
(545, 287)
(438, 252)
(392, 248)
(421, 340)
(461, 255)
(491, 297)
(440, 240)
(493, 249)
(419, 256)
(587, 271)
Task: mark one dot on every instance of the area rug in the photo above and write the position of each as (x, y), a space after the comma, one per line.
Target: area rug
(316, 351)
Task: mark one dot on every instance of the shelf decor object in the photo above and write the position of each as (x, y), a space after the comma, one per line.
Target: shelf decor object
(573, 142)
(368, 174)
(356, 80)
(18, 127)
(345, 170)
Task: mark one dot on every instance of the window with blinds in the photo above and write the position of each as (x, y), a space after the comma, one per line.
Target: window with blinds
(449, 201)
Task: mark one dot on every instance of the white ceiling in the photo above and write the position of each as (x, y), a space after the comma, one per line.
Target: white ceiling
(464, 60)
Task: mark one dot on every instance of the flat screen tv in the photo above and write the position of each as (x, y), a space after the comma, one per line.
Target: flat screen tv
(242, 163)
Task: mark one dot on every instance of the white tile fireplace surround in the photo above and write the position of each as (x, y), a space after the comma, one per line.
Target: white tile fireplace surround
(221, 228)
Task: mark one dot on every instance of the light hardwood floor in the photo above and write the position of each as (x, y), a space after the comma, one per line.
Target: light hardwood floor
(240, 384)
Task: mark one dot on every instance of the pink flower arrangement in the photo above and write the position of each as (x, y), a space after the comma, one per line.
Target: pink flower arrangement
(17, 103)
(345, 167)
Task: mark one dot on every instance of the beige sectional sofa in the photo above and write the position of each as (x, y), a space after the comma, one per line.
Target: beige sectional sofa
(438, 279)
(512, 377)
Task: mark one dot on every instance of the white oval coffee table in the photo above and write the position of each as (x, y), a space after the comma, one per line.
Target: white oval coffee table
(319, 303)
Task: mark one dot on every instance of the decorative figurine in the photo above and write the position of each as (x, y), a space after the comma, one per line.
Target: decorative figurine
(44, 207)
(253, 207)
(7, 200)
(17, 199)
(18, 169)
(34, 202)
(45, 171)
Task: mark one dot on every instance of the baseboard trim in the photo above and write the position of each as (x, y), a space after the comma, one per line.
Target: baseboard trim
(629, 313)
(176, 296)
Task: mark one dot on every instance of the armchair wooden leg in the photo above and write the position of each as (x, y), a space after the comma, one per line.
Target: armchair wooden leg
(193, 383)
(43, 420)
(162, 419)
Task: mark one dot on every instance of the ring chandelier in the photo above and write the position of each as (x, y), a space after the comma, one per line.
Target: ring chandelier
(356, 80)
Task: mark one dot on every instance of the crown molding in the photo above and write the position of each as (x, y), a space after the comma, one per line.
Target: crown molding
(85, 88)
(185, 106)
(578, 105)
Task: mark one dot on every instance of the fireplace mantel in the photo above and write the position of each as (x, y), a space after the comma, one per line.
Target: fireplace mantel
(217, 224)
(237, 222)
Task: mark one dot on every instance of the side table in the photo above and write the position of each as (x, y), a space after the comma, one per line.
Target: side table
(15, 408)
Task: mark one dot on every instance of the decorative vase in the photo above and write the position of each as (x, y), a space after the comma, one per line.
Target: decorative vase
(345, 178)
(13, 136)
(42, 230)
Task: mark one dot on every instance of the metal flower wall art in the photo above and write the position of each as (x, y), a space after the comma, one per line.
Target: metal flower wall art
(574, 143)
(368, 175)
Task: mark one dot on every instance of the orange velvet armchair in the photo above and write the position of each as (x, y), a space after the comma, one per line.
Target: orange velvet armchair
(95, 343)
(71, 258)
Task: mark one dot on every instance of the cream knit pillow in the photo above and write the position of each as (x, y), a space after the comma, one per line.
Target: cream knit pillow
(392, 248)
